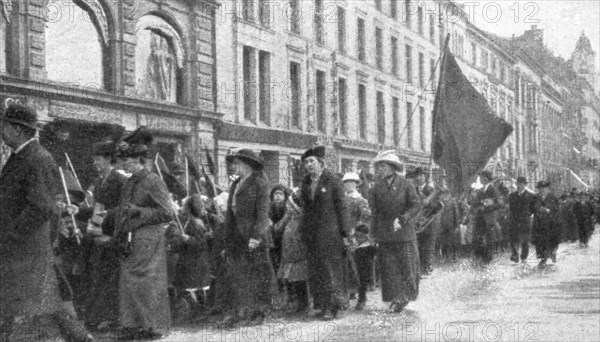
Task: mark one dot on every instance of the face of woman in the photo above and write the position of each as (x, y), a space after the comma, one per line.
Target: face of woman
(130, 165)
(349, 186)
(383, 170)
(313, 166)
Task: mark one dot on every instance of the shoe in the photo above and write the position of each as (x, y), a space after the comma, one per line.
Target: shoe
(359, 306)
(514, 259)
(228, 322)
(398, 306)
(353, 296)
(542, 263)
(330, 315)
(553, 257)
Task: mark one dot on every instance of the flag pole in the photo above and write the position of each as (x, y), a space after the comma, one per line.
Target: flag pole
(76, 178)
(76, 230)
(172, 209)
(433, 119)
(187, 177)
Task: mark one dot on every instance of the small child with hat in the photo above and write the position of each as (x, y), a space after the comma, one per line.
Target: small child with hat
(363, 257)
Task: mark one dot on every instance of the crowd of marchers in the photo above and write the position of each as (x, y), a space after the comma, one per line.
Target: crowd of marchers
(142, 248)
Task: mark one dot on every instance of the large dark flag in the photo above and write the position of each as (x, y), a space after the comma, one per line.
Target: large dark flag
(466, 132)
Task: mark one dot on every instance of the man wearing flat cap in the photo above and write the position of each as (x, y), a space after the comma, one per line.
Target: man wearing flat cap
(394, 202)
(545, 234)
(485, 205)
(29, 182)
(520, 205)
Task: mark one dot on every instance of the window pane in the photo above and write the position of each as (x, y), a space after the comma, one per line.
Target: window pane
(155, 66)
(74, 52)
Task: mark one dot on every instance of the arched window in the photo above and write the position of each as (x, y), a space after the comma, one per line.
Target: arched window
(5, 11)
(158, 59)
(76, 40)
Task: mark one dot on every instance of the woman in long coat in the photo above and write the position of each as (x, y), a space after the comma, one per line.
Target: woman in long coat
(247, 242)
(545, 234)
(394, 202)
(143, 211)
(325, 227)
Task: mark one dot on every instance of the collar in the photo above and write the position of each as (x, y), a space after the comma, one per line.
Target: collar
(364, 244)
(485, 187)
(20, 148)
(354, 194)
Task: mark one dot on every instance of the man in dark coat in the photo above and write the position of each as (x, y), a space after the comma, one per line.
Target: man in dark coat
(545, 234)
(141, 217)
(325, 231)
(485, 204)
(247, 242)
(520, 204)
(29, 182)
(394, 202)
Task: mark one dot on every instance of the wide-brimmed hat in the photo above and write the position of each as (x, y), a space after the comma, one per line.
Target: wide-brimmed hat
(105, 149)
(317, 151)
(19, 114)
(135, 144)
(390, 157)
(485, 174)
(521, 180)
(351, 177)
(542, 184)
(247, 156)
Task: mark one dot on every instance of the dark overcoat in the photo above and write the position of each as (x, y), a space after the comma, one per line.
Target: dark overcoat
(193, 266)
(398, 252)
(486, 228)
(28, 185)
(143, 291)
(250, 273)
(326, 222)
(545, 235)
(521, 208)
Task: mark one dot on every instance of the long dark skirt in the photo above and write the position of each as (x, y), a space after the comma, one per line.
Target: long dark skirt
(252, 279)
(143, 290)
(545, 237)
(399, 267)
(103, 301)
(327, 280)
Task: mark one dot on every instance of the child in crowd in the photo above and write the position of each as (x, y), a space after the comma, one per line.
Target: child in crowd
(363, 256)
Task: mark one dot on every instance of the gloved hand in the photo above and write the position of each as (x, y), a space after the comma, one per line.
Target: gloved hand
(133, 211)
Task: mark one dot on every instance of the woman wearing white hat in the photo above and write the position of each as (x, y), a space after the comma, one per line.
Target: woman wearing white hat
(393, 202)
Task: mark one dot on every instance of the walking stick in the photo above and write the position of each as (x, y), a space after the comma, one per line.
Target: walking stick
(172, 209)
(75, 228)
(187, 178)
(76, 178)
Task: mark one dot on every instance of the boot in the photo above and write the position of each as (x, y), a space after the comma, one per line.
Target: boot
(301, 293)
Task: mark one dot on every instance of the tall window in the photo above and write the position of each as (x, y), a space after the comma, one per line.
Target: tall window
(422, 127)
(502, 72)
(409, 126)
(432, 22)
(432, 72)
(321, 118)
(158, 59)
(3, 28)
(341, 23)
(394, 56)
(409, 77)
(264, 86)
(295, 81)
(380, 118)
(396, 120)
(378, 5)
(74, 50)
(494, 65)
(360, 29)
(295, 16)
(248, 10)
(408, 13)
(379, 48)
(343, 105)
(421, 69)
(518, 139)
(249, 71)
(362, 111)
(473, 54)
(264, 12)
(420, 20)
(394, 9)
(319, 28)
(484, 60)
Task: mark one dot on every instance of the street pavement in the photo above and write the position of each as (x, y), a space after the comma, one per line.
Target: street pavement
(459, 301)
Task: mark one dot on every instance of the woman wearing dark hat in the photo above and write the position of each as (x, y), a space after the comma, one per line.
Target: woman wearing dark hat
(247, 242)
(144, 210)
(545, 235)
(325, 231)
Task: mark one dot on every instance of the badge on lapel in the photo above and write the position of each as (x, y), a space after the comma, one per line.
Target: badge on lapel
(323, 190)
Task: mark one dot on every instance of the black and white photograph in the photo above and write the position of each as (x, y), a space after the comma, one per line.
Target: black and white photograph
(299, 170)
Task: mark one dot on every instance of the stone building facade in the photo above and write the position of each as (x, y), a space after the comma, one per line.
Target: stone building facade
(93, 68)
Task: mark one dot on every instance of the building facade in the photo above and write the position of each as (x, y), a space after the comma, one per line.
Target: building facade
(94, 68)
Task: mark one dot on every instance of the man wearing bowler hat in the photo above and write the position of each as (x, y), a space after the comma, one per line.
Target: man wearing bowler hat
(29, 297)
(520, 205)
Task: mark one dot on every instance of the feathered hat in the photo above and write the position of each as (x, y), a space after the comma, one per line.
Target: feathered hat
(135, 144)
(390, 157)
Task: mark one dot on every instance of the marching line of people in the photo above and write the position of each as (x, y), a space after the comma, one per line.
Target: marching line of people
(140, 249)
